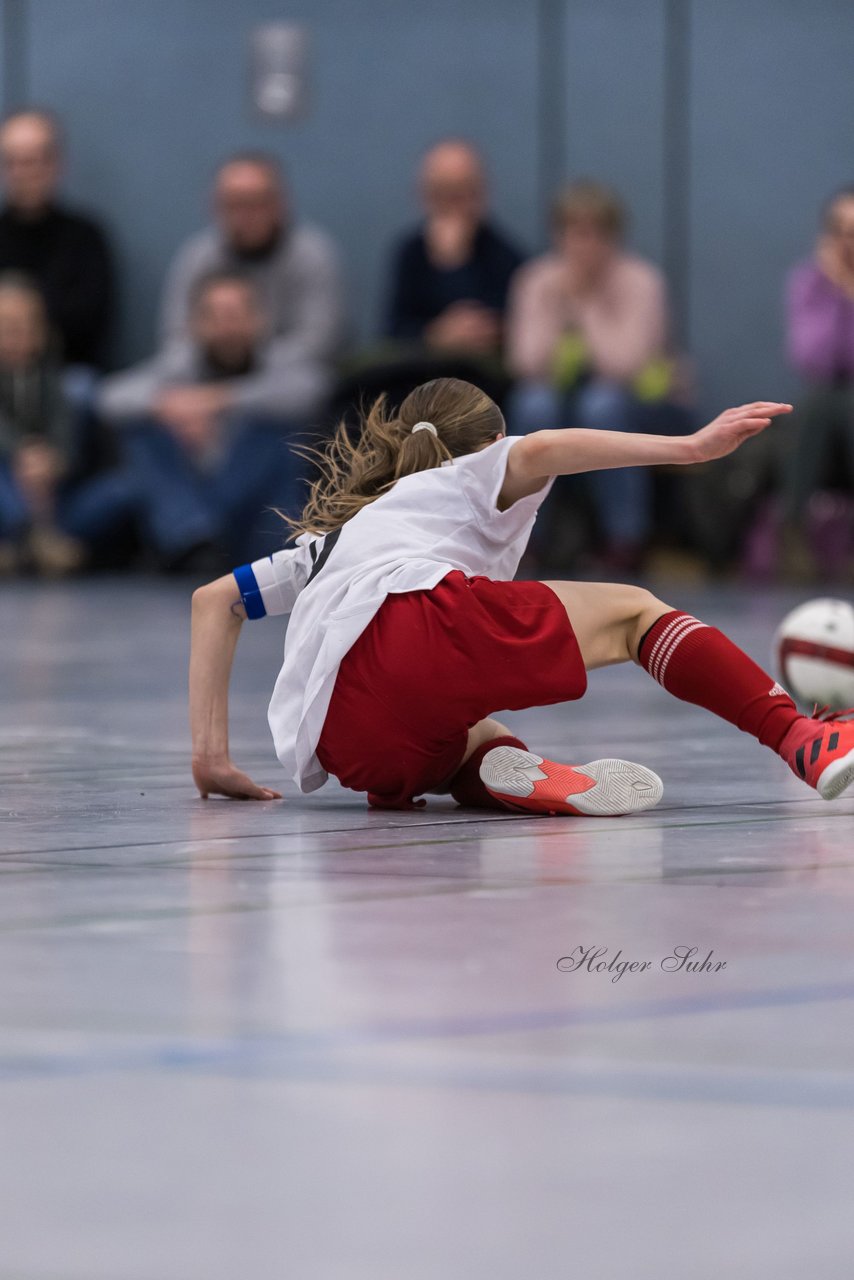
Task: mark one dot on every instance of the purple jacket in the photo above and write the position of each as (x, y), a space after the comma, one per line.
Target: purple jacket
(819, 325)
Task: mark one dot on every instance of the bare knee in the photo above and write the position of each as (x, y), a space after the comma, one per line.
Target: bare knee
(608, 618)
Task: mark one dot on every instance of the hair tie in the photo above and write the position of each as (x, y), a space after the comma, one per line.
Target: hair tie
(425, 426)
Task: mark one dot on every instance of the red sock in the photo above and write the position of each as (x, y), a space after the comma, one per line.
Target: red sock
(466, 786)
(699, 664)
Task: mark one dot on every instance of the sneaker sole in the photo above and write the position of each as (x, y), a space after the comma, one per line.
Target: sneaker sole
(619, 786)
(836, 778)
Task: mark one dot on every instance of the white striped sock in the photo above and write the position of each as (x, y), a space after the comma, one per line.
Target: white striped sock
(664, 641)
(683, 634)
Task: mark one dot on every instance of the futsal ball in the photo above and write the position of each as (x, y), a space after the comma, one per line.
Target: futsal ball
(814, 651)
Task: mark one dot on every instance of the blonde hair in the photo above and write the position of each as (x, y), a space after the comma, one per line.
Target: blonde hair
(352, 475)
(589, 202)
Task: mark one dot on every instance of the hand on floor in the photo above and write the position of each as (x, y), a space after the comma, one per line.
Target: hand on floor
(225, 779)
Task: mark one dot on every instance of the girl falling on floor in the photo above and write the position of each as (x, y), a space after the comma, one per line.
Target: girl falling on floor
(407, 630)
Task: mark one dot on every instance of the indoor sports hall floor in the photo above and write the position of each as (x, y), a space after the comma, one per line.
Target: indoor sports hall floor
(303, 1040)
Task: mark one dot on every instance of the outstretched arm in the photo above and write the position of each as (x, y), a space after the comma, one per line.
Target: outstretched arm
(218, 615)
(563, 453)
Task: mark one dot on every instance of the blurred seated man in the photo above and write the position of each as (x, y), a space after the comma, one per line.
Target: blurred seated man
(449, 278)
(204, 426)
(51, 512)
(294, 266)
(587, 337)
(820, 343)
(65, 253)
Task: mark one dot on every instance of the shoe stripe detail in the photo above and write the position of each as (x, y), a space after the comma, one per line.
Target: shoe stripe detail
(799, 761)
(833, 742)
(816, 749)
(683, 635)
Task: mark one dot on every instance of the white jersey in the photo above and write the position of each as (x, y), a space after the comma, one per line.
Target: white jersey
(332, 585)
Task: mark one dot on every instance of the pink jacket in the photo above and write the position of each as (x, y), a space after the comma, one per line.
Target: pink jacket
(624, 325)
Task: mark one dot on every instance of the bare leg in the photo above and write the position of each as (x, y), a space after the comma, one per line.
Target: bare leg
(609, 619)
(609, 622)
(698, 664)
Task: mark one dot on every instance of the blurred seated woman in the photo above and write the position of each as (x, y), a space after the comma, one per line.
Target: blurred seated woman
(588, 341)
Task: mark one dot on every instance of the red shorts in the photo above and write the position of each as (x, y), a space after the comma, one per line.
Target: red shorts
(430, 665)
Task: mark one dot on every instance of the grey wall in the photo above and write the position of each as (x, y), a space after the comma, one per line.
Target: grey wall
(155, 91)
(724, 122)
(771, 134)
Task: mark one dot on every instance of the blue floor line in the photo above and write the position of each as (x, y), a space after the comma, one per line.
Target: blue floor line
(249, 1054)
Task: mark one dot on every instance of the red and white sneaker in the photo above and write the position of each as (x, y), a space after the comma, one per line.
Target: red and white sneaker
(603, 788)
(820, 749)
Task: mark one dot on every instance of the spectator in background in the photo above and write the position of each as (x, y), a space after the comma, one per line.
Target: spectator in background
(449, 279)
(65, 253)
(204, 426)
(587, 337)
(294, 268)
(820, 342)
(50, 511)
(447, 290)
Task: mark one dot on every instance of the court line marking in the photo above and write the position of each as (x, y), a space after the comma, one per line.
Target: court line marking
(535, 880)
(543, 824)
(558, 1018)
(447, 882)
(808, 1090)
(446, 885)
(294, 1057)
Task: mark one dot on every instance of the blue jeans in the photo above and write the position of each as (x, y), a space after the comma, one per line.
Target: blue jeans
(89, 510)
(182, 505)
(622, 498)
(14, 514)
(80, 386)
(88, 507)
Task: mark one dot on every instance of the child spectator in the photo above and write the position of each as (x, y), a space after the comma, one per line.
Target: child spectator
(46, 504)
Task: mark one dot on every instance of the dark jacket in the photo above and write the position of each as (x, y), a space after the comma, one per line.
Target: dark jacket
(420, 291)
(68, 257)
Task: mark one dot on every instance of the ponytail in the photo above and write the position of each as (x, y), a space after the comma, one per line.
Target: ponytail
(438, 421)
(419, 449)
